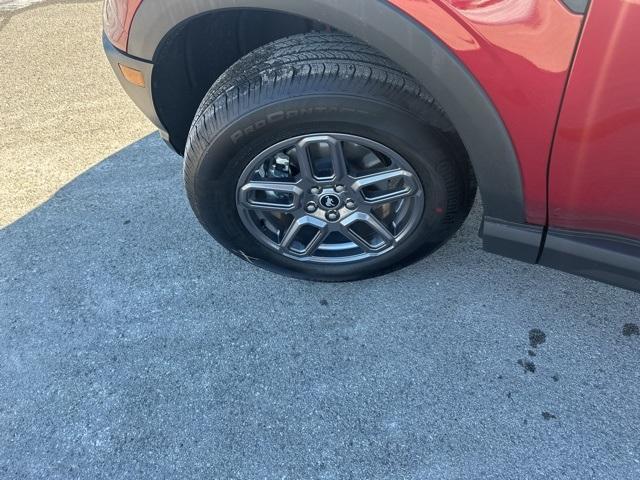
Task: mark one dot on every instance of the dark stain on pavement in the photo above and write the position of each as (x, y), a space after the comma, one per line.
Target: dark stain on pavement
(548, 416)
(630, 329)
(324, 302)
(528, 365)
(531, 353)
(537, 337)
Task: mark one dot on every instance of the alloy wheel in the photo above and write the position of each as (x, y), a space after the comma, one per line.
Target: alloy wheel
(330, 198)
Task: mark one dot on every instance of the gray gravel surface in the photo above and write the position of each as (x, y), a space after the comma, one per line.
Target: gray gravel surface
(132, 346)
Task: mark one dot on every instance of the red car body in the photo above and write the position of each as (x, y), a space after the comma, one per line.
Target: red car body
(569, 99)
(551, 130)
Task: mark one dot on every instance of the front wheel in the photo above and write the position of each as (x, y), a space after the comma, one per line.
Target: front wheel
(318, 158)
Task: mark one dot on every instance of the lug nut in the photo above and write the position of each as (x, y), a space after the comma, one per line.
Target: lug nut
(339, 188)
(332, 216)
(350, 204)
(316, 191)
(311, 207)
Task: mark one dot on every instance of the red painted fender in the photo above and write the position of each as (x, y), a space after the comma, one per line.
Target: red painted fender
(520, 51)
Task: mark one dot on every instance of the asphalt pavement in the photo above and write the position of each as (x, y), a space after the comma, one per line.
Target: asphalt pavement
(132, 346)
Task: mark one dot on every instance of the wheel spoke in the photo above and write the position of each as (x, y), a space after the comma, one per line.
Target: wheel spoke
(349, 235)
(296, 228)
(380, 229)
(271, 196)
(408, 186)
(337, 159)
(317, 241)
(386, 238)
(305, 160)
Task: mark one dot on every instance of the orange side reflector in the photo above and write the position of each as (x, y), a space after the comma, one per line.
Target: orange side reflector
(132, 75)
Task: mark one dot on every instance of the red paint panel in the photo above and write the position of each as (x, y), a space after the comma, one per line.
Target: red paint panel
(117, 17)
(520, 51)
(595, 167)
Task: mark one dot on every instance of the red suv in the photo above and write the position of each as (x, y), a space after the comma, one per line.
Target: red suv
(337, 140)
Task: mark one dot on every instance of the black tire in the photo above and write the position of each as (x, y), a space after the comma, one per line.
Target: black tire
(312, 83)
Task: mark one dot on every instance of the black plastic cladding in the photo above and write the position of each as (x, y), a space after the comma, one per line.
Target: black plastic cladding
(577, 6)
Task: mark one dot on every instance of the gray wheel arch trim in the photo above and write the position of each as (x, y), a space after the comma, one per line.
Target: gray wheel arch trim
(577, 6)
(410, 45)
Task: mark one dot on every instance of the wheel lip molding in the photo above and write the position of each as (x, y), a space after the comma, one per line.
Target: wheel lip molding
(577, 6)
(513, 240)
(408, 43)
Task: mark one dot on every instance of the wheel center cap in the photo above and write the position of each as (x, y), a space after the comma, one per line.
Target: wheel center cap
(330, 201)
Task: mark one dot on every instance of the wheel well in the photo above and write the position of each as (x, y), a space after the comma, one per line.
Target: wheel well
(196, 52)
(414, 45)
